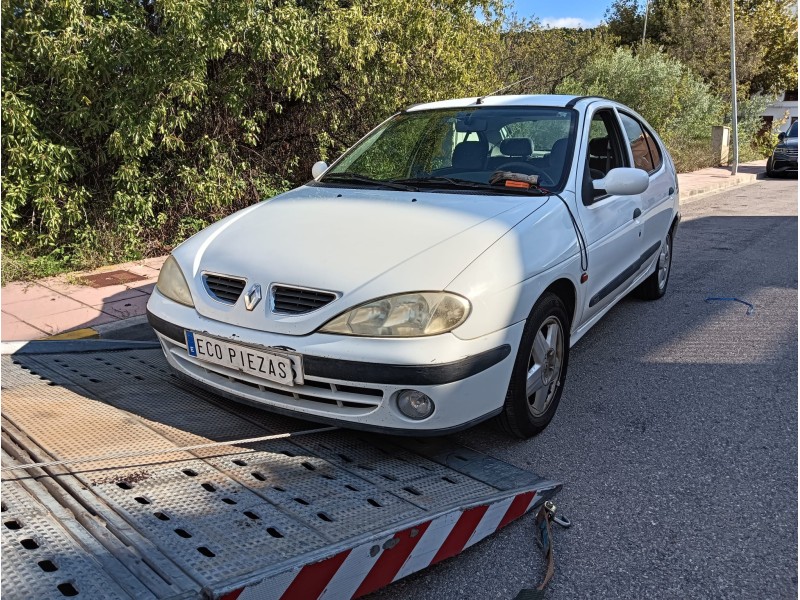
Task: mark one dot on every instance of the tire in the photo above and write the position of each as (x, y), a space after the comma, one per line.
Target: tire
(770, 172)
(548, 324)
(655, 286)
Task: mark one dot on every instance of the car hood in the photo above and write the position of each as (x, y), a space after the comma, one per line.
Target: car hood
(788, 143)
(358, 244)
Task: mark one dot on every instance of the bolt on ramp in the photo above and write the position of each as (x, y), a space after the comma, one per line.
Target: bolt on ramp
(333, 514)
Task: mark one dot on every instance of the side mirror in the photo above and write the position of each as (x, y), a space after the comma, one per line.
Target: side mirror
(781, 135)
(623, 181)
(319, 168)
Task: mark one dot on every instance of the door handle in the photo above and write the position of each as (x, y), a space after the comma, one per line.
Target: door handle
(637, 213)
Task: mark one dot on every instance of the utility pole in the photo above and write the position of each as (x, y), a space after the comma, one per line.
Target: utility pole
(644, 31)
(735, 120)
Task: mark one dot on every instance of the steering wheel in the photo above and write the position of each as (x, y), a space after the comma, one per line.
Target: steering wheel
(526, 169)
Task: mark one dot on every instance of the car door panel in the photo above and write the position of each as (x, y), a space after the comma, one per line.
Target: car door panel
(617, 283)
(657, 199)
(612, 225)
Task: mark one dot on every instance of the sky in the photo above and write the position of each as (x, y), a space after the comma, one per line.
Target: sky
(570, 13)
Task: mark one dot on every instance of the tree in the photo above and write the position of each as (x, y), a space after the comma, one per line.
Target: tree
(697, 33)
(775, 23)
(126, 126)
(548, 56)
(700, 38)
(625, 20)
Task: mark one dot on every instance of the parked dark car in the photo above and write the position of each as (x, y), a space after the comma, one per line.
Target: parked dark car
(784, 157)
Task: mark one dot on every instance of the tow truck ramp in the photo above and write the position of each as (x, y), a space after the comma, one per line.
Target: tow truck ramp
(326, 514)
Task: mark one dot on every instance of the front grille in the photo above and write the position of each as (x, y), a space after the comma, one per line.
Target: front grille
(297, 301)
(223, 288)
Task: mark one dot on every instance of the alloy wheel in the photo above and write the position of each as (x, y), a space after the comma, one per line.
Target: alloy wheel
(664, 261)
(544, 366)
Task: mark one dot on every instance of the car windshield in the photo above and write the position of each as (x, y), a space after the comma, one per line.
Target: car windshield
(792, 133)
(462, 148)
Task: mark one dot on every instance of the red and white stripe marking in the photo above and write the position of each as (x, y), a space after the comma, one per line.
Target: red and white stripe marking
(358, 571)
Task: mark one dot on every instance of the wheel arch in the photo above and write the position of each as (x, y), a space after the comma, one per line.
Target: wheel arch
(674, 226)
(565, 290)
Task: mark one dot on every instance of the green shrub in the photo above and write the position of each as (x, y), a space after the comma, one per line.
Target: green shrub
(754, 142)
(678, 104)
(127, 126)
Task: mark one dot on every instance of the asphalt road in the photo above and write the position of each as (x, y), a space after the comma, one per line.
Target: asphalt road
(676, 438)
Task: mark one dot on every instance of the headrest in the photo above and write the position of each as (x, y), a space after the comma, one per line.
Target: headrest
(555, 160)
(471, 155)
(599, 147)
(516, 147)
(559, 146)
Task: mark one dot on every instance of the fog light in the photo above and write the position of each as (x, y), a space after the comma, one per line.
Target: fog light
(414, 404)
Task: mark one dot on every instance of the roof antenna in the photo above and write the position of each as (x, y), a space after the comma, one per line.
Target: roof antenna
(502, 89)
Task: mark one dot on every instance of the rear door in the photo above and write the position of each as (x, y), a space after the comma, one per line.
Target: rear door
(611, 224)
(657, 199)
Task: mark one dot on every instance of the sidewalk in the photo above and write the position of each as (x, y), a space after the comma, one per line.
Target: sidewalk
(84, 301)
(707, 181)
(85, 304)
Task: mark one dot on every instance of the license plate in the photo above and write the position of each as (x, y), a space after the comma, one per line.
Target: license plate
(281, 368)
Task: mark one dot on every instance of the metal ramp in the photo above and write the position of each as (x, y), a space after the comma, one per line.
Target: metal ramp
(334, 514)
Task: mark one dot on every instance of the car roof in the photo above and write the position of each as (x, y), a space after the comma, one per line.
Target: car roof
(517, 100)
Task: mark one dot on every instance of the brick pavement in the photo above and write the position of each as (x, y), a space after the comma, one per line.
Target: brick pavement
(34, 310)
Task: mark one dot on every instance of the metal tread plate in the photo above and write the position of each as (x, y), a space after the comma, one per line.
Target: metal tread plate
(231, 513)
(41, 560)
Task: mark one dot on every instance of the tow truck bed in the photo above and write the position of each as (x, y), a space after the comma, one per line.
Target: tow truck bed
(334, 514)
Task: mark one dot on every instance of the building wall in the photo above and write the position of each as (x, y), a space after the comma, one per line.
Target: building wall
(779, 109)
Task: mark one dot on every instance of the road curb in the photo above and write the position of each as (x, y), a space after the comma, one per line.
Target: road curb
(735, 181)
(106, 328)
(98, 331)
(85, 333)
(85, 345)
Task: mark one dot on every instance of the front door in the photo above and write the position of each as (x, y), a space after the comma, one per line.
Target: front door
(612, 224)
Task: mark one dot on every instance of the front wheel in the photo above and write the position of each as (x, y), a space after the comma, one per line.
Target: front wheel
(537, 380)
(655, 286)
(770, 172)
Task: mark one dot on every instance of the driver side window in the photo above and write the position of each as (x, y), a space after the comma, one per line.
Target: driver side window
(604, 151)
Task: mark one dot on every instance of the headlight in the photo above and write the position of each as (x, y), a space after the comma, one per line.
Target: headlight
(403, 315)
(781, 150)
(172, 283)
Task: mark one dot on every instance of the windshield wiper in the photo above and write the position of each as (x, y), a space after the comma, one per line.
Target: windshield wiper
(347, 177)
(467, 183)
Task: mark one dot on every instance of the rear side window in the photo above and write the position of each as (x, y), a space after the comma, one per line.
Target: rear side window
(646, 155)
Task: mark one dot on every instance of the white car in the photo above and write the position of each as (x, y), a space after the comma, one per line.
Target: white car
(436, 274)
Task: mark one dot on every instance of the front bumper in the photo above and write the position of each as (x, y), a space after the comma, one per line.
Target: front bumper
(782, 163)
(353, 381)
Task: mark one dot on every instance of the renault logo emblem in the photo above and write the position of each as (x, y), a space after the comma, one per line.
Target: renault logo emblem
(252, 297)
